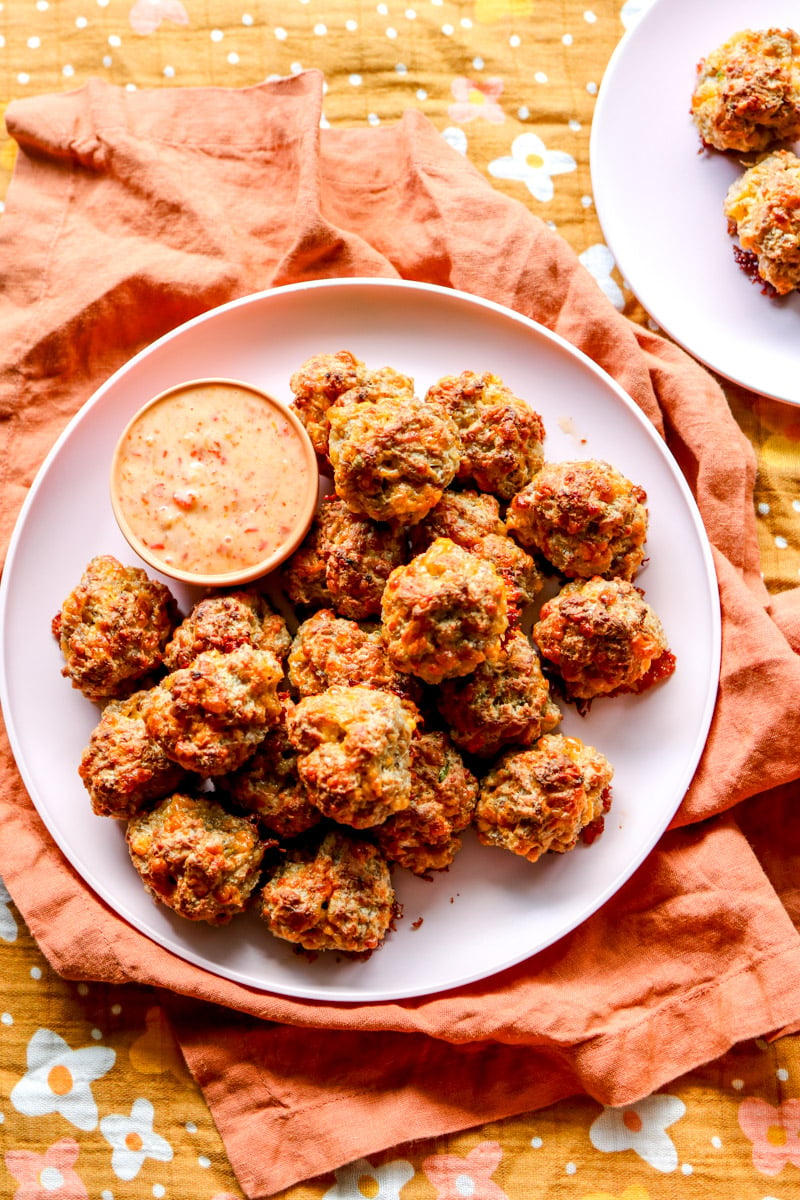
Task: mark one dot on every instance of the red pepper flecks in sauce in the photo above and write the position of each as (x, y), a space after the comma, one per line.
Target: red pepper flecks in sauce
(211, 478)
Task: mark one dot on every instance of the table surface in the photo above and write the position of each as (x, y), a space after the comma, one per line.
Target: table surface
(487, 73)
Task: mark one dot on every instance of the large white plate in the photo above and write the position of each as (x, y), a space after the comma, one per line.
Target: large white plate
(491, 909)
(659, 197)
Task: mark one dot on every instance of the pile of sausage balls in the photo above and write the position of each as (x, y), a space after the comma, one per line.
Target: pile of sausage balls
(293, 762)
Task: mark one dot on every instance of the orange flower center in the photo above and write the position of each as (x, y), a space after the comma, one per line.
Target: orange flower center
(133, 1141)
(534, 161)
(631, 1120)
(368, 1186)
(776, 1135)
(59, 1080)
(476, 97)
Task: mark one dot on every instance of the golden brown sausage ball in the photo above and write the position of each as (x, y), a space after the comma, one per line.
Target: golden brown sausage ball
(353, 750)
(344, 561)
(472, 519)
(196, 858)
(501, 702)
(112, 629)
(463, 516)
(337, 896)
(747, 93)
(330, 651)
(425, 836)
(443, 612)
(392, 459)
(542, 799)
(501, 435)
(601, 637)
(122, 768)
(210, 716)
(584, 517)
(317, 384)
(763, 211)
(269, 787)
(224, 621)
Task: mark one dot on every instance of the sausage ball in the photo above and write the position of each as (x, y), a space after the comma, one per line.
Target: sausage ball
(196, 858)
(112, 629)
(268, 785)
(584, 517)
(501, 702)
(443, 613)
(463, 516)
(337, 896)
(344, 562)
(122, 768)
(601, 637)
(353, 753)
(330, 651)
(518, 570)
(747, 93)
(425, 836)
(317, 384)
(501, 435)
(392, 459)
(544, 798)
(763, 211)
(224, 621)
(210, 716)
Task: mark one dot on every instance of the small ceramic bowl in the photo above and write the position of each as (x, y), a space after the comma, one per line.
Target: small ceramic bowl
(214, 482)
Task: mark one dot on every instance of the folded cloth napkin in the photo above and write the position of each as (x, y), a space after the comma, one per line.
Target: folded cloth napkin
(129, 213)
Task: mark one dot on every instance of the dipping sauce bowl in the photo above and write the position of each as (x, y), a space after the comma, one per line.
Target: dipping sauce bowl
(214, 482)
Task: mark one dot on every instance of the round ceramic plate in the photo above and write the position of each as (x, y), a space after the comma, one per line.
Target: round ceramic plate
(491, 909)
(659, 196)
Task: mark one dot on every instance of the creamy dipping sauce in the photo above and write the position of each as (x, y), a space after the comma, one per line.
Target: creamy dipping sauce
(214, 479)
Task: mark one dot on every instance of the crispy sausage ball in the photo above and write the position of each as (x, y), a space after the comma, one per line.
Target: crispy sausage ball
(472, 519)
(393, 458)
(224, 621)
(763, 211)
(501, 434)
(443, 612)
(210, 716)
(112, 629)
(425, 836)
(195, 857)
(584, 517)
(332, 651)
(747, 93)
(122, 768)
(344, 561)
(600, 636)
(317, 384)
(541, 799)
(353, 752)
(465, 517)
(337, 896)
(501, 702)
(269, 787)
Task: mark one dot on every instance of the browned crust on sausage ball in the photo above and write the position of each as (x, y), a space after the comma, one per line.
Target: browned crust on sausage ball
(195, 857)
(223, 621)
(541, 799)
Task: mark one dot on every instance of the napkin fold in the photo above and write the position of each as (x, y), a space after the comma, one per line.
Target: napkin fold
(130, 212)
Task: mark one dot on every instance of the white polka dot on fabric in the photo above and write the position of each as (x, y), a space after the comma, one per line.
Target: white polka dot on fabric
(23, 77)
(67, 70)
(7, 1019)
(373, 119)
(567, 39)
(320, 29)
(515, 40)
(687, 1169)
(81, 22)
(36, 972)
(763, 508)
(233, 58)
(169, 72)
(537, 1143)
(204, 1161)
(782, 1074)
(591, 88)
(391, 33)
(355, 81)
(280, 33)
(351, 26)
(401, 69)
(738, 1084)
(478, 63)
(716, 1142)
(570, 1168)
(421, 94)
(34, 43)
(781, 542)
(247, 19)
(216, 35)
(589, 17)
(114, 40)
(523, 112)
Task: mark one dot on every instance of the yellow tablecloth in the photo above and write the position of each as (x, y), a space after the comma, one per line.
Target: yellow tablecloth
(511, 84)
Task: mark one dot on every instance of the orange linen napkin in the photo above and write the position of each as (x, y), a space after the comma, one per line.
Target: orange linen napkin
(131, 212)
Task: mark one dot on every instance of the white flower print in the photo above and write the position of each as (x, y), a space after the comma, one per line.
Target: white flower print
(388, 1180)
(641, 1127)
(133, 1140)
(599, 262)
(58, 1079)
(8, 924)
(456, 138)
(531, 163)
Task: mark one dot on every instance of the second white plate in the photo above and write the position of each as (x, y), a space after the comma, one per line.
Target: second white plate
(659, 196)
